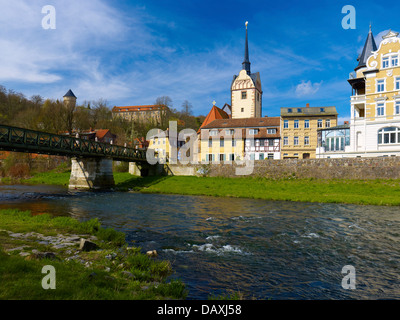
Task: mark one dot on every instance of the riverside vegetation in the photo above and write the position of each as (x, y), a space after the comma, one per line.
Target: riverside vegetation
(113, 270)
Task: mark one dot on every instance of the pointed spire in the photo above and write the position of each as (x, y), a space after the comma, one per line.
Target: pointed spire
(369, 46)
(246, 62)
(69, 94)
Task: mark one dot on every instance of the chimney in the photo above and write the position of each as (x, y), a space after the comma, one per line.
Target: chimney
(346, 122)
(307, 105)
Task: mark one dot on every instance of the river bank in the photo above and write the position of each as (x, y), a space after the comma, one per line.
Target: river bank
(362, 192)
(91, 262)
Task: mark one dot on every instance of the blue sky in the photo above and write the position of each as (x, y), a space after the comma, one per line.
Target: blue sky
(131, 52)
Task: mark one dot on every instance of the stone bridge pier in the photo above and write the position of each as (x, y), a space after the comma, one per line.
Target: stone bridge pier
(91, 174)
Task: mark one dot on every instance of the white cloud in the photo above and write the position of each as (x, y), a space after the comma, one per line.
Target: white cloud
(307, 88)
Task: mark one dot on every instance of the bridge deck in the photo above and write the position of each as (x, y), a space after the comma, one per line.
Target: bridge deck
(25, 140)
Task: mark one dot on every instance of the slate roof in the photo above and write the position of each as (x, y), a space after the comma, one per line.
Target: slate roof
(69, 94)
(308, 111)
(369, 46)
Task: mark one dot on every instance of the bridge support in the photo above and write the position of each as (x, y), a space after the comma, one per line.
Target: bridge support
(91, 173)
(143, 169)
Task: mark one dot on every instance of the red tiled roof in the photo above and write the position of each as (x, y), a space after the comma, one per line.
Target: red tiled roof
(214, 114)
(244, 123)
(137, 108)
(101, 133)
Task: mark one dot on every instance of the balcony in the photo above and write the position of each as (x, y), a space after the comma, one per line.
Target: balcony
(358, 99)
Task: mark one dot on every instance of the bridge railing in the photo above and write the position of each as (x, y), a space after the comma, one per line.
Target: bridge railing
(26, 140)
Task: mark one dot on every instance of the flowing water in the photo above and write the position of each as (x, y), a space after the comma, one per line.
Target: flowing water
(264, 249)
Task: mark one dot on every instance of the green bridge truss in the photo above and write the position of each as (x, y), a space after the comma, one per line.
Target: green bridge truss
(25, 140)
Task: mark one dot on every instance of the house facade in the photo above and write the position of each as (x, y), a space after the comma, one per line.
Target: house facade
(375, 101)
(299, 130)
(230, 140)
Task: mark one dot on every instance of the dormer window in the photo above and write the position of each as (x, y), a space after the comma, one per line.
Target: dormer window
(213, 132)
(322, 109)
(299, 110)
(289, 110)
(253, 131)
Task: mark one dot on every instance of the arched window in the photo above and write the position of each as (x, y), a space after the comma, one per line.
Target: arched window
(389, 135)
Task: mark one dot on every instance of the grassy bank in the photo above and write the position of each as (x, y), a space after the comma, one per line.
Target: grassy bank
(371, 192)
(111, 271)
(364, 192)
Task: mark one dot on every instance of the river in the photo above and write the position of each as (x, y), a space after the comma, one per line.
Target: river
(263, 249)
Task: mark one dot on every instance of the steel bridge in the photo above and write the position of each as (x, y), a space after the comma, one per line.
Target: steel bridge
(30, 141)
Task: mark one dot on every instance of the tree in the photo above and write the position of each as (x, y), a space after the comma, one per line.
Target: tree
(187, 108)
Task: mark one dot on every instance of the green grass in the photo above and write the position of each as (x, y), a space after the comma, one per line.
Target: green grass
(363, 192)
(50, 177)
(21, 278)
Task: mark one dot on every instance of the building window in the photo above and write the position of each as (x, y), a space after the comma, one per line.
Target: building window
(210, 157)
(271, 131)
(321, 109)
(244, 94)
(253, 131)
(285, 124)
(389, 135)
(289, 110)
(222, 157)
(380, 109)
(231, 157)
(319, 123)
(397, 107)
(221, 142)
(306, 124)
(270, 156)
(397, 83)
(233, 143)
(385, 62)
(380, 85)
(306, 141)
(285, 141)
(296, 124)
(395, 60)
(327, 123)
(261, 156)
(242, 110)
(229, 131)
(296, 141)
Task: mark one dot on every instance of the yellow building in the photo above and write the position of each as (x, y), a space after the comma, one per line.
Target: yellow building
(227, 140)
(375, 102)
(299, 130)
(164, 148)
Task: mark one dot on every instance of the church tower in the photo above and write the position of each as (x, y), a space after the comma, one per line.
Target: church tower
(246, 93)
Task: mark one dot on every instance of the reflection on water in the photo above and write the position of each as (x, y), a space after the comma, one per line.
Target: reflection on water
(265, 249)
